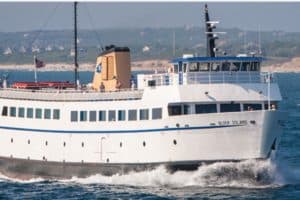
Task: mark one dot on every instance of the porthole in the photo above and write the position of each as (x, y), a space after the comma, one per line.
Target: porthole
(144, 143)
(11, 140)
(28, 141)
(64, 144)
(82, 144)
(121, 144)
(46, 143)
(177, 125)
(174, 142)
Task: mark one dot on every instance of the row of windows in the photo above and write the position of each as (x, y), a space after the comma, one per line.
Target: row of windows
(37, 113)
(217, 66)
(184, 109)
(113, 115)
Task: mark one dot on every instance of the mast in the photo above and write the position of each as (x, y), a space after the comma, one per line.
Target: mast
(210, 39)
(75, 45)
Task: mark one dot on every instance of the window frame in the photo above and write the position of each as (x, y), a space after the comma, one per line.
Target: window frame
(20, 112)
(121, 115)
(132, 115)
(74, 116)
(112, 115)
(92, 115)
(154, 110)
(56, 114)
(12, 111)
(144, 116)
(47, 113)
(83, 116)
(38, 113)
(29, 113)
(102, 115)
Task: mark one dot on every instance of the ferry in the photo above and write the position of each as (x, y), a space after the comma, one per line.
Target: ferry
(202, 110)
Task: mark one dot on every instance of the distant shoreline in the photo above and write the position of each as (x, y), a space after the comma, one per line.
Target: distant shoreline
(292, 65)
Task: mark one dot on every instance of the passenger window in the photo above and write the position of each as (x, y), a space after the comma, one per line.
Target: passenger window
(29, 112)
(226, 66)
(245, 66)
(38, 113)
(230, 107)
(121, 115)
(254, 66)
(235, 66)
(83, 116)
(144, 114)
(156, 113)
(47, 114)
(74, 116)
(193, 67)
(250, 107)
(215, 67)
(12, 111)
(205, 108)
(204, 67)
(111, 115)
(186, 109)
(56, 114)
(273, 106)
(4, 111)
(21, 112)
(93, 116)
(174, 110)
(132, 115)
(102, 115)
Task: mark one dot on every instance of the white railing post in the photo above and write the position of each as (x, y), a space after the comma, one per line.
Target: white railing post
(222, 77)
(249, 75)
(269, 88)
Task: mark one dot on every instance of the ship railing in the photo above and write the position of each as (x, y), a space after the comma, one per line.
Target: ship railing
(70, 94)
(207, 78)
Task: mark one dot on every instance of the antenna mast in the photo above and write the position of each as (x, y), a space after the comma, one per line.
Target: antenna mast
(210, 25)
(75, 46)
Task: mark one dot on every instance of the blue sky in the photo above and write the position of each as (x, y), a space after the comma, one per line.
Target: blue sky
(21, 16)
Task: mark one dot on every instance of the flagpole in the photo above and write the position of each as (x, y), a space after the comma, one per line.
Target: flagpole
(35, 71)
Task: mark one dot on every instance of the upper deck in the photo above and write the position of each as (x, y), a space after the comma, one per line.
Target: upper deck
(208, 70)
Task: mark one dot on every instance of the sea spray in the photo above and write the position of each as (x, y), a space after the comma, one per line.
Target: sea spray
(246, 174)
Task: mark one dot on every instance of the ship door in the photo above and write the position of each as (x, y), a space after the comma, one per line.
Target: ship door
(102, 149)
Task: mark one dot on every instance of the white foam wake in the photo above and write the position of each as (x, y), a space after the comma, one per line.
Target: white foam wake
(248, 174)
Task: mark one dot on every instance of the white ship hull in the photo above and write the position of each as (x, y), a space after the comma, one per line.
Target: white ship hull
(245, 135)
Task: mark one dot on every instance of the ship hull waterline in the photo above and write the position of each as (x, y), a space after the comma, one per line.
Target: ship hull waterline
(265, 138)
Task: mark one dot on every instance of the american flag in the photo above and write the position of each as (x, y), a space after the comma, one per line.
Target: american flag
(39, 63)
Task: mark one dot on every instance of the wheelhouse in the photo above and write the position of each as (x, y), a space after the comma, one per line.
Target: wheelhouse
(215, 64)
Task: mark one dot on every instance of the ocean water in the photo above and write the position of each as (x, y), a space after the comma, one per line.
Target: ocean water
(277, 178)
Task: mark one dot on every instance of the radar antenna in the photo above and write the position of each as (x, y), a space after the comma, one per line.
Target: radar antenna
(210, 36)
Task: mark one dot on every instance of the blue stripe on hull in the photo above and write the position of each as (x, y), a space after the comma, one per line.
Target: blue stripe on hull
(116, 131)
